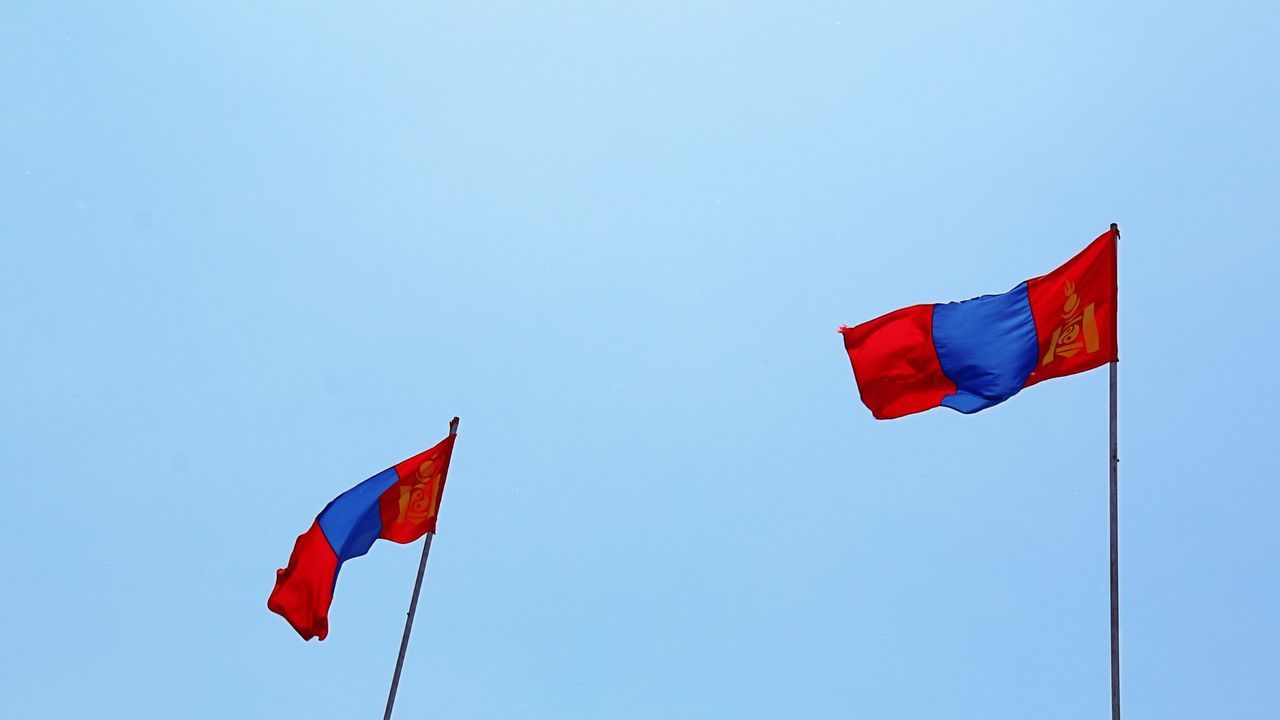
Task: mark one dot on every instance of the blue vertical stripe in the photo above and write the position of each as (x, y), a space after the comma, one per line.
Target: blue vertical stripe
(352, 521)
(987, 346)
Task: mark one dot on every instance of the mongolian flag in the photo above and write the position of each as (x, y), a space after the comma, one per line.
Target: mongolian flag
(398, 504)
(977, 353)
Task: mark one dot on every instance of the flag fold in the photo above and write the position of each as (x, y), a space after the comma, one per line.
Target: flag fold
(398, 504)
(974, 354)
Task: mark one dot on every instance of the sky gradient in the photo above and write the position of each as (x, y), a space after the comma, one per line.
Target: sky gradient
(257, 252)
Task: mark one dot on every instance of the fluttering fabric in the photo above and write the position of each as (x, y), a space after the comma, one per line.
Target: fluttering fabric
(398, 504)
(974, 354)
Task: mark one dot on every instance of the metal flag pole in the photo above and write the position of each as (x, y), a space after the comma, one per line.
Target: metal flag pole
(413, 607)
(1115, 518)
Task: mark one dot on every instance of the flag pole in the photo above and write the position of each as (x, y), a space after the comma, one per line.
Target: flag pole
(1115, 518)
(413, 607)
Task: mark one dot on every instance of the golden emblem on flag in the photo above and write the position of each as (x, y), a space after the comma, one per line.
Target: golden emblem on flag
(418, 501)
(1078, 331)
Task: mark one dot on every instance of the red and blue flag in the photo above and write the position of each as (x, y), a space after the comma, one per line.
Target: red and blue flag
(974, 354)
(398, 504)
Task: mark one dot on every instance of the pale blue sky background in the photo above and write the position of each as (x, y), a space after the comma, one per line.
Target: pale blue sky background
(256, 252)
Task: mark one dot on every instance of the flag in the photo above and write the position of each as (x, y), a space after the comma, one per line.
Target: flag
(977, 353)
(398, 504)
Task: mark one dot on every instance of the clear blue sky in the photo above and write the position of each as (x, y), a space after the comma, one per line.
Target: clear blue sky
(256, 252)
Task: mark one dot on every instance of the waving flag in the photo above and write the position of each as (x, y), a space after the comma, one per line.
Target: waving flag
(398, 504)
(977, 353)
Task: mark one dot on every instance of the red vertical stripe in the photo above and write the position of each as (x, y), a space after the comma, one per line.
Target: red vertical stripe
(409, 507)
(304, 589)
(1075, 312)
(895, 363)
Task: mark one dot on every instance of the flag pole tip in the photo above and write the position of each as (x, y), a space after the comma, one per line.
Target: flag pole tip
(453, 426)
(1115, 227)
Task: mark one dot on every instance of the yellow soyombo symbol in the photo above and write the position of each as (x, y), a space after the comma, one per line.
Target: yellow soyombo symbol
(418, 502)
(1067, 339)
